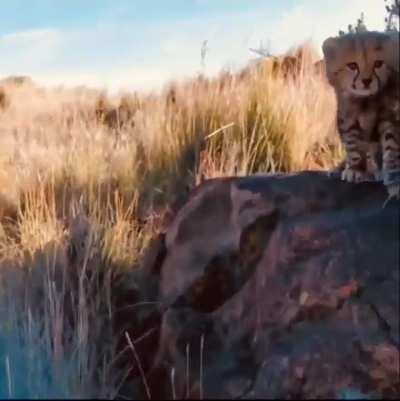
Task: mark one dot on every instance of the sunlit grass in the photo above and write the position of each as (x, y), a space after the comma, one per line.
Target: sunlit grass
(89, 183)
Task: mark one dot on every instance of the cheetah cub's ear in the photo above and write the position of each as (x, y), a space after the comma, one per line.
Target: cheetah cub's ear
(330, 49)
(391, 53)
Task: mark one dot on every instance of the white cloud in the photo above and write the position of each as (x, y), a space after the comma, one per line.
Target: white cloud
(32, 37)
(118, 54)
(113, 80)
(316, 20)
(27, 51)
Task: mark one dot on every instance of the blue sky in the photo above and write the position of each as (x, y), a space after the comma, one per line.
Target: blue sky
(19, 14)
(142, 44)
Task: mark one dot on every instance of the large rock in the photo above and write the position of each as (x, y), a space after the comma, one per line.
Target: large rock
(275, 287)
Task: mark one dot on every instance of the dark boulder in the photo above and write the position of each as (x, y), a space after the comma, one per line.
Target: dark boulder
(283, 286)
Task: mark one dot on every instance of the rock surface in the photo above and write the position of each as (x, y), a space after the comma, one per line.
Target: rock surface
(272, 287)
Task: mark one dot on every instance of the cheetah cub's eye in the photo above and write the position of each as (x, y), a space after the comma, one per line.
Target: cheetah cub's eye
(353, 66)
(378, 64)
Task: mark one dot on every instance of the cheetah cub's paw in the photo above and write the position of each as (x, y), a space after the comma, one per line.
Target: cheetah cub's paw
(356, 176)
(394, 191)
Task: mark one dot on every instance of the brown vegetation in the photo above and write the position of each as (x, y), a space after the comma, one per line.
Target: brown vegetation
(116, 163)
(4, 101)
(291, 65)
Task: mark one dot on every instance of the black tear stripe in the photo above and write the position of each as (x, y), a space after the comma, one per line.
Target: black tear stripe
(355, 78)
(379, 81)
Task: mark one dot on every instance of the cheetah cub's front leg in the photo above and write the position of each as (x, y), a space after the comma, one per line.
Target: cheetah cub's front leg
(356, 154)
(390, 141)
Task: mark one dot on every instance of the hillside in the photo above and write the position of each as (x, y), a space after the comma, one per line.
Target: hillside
(87, 179)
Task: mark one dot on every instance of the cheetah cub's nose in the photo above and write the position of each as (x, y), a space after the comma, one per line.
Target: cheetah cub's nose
(367, 82)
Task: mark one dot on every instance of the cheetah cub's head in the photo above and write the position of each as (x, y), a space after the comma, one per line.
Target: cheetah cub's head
(360, 64)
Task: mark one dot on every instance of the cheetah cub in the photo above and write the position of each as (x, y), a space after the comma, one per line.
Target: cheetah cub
(363, 68)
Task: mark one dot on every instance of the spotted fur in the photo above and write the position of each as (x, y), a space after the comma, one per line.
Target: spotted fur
(363, 68)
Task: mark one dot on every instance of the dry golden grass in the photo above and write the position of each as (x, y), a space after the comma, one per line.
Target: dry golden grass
(72, 177)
